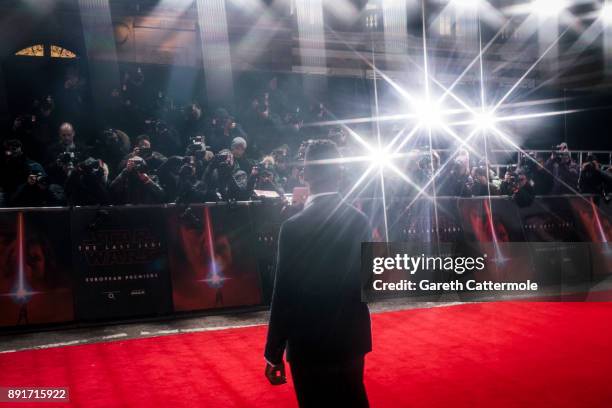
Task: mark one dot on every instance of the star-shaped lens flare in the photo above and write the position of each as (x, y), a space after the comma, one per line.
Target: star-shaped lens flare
(470, 125)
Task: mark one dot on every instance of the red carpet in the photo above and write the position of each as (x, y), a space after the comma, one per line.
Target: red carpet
(477, 355)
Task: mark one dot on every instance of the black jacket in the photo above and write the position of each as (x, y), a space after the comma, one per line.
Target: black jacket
(127, 188)
(316, 309)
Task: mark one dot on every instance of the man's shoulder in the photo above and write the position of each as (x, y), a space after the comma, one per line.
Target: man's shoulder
(343, 211)
(351, 213)
(291, 221)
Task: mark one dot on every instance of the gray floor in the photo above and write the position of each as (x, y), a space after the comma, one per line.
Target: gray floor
(65, 337)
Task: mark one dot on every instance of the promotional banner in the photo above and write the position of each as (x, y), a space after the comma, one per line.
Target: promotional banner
(594, 224)
(491, 224)
(35, 267)
(553, 219)
(211, 256)
(60, 265)
(120, 257)
(420, 221)
(409, 220)
(550, 219)
(266, 220)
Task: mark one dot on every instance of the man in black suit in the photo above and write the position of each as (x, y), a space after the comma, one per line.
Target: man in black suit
(317, 312)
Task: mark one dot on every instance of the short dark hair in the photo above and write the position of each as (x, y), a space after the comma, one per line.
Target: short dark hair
(321, 167)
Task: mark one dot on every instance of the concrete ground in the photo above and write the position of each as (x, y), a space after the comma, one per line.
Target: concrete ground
(57, 337)
(109, 332)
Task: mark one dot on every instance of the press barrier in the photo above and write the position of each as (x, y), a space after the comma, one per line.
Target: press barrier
(91, 264)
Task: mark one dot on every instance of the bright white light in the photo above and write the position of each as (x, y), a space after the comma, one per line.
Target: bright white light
(548, 8)
(466, 4)
(606, 13)
(485, 120)
(379, 157)
(429, 114)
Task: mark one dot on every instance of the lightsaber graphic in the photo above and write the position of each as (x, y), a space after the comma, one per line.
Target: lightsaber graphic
(499, 256)
(600, 229)
(215, 277)
(21, 293)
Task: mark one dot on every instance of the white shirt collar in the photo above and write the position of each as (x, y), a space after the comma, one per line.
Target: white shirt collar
(311, 198)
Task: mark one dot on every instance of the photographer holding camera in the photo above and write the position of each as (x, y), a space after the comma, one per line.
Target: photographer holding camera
(63, 155)
(37, 191)
(87, 183)
(564, 169)
(486, 181)
(66, 143)
(220, 180)
(264, 177)
(135, 186)
(592, 179)
(536, 170)
(189, 189)
(518, 185)
(112, 146)
(457, 181)
(197, 155)
(144, 149)
(238, 149)
(180, 176)
(15, 168)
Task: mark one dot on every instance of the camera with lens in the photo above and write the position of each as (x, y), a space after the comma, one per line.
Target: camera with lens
(264, 167)
(144, 151)
(66, 159)
(140, 166)
(222, 159)
(197, 146)
(38, 178)
(90, 166)
(560, 152)
(511, 179)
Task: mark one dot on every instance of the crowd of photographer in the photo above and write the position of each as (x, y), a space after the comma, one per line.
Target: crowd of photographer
(537, 174)
(149, 151)
(169, 154)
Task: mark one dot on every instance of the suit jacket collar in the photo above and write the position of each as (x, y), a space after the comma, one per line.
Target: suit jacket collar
(322, 197)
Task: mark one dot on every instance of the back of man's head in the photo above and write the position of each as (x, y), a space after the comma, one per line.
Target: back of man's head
(322, 168)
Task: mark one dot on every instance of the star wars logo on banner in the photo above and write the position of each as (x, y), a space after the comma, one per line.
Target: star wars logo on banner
(121, 262)
(35, 267)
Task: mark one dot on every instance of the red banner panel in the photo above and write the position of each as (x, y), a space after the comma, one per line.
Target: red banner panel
(211, 257)
(35, 267)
